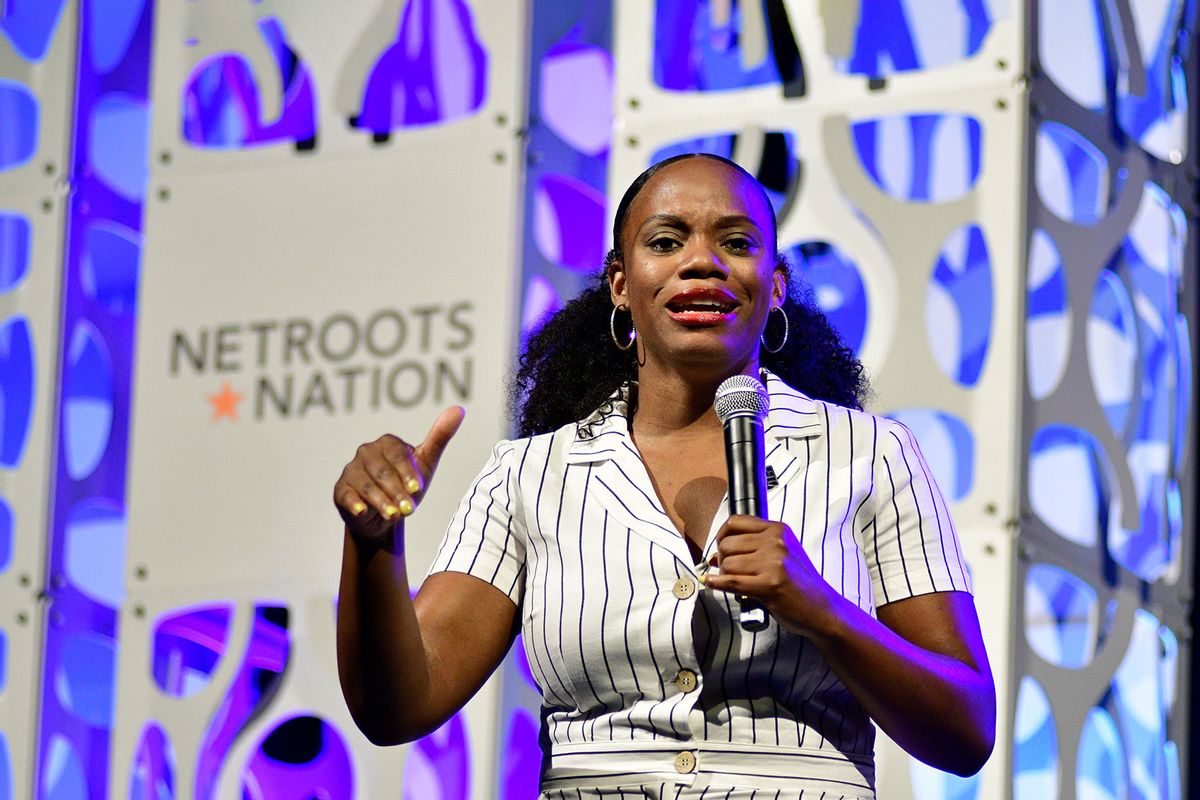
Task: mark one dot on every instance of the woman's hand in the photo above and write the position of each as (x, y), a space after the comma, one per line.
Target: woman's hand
(764, 560)
(920, 670)
(387, 478)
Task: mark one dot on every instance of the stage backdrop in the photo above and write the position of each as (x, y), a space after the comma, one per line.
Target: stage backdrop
(239, 237)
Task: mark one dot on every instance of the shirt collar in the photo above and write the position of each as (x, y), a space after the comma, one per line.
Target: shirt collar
(792, 415)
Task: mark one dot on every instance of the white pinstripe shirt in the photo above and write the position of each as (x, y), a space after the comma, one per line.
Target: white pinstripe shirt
(636, 662)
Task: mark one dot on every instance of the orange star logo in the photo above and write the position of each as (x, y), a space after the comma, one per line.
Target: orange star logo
(225, 402)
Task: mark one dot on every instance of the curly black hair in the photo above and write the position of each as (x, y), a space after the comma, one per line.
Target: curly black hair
(571, 365)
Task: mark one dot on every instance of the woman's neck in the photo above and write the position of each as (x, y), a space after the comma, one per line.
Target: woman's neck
(673, 401)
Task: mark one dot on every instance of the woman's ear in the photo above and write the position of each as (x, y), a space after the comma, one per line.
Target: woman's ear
(779, 285)
(616, 279)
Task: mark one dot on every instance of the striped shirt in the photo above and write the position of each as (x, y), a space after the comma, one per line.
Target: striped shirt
(646, 677)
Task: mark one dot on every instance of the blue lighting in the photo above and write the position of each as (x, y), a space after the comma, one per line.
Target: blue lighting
(694, 50)
(84, 680)
(118, 142)
(95, 552)
(958, 318)
(1071, 175)
(18, 124)
(902, 36)
(837, 287)
(921, 158)
(111, 262)
(1068, 479)
(87, 401)
(6, 779)
(63, 777)
(30, 26)
(6, 535)
(1047, 321)
(112, 26)
(16, 389)
(1035, 746)
(14, 249)
(1062, 616)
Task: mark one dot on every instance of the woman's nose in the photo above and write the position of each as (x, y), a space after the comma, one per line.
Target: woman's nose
(701, 258)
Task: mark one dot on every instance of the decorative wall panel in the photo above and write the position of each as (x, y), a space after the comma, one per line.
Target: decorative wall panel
(37, 52)
(1108, 506)
(327, 189)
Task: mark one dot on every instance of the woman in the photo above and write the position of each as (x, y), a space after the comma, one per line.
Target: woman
(602, 536)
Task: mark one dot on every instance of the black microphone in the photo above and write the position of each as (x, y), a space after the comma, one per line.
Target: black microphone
(741, 405)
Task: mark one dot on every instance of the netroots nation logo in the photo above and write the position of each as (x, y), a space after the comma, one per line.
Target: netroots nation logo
(294, 368)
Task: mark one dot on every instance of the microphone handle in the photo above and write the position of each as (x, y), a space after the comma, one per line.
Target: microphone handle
(746, 468)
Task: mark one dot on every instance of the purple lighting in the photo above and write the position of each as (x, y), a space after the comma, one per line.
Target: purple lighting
(302, 758)
(436, 70)
(439, 766)
(541, 301)
(220, 103)
(569, 223)
(153, 767)
(251, 690)
(523, 757)
(188, 646)
(575, 99)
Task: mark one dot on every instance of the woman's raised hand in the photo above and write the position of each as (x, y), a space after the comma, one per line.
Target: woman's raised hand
(387, 478)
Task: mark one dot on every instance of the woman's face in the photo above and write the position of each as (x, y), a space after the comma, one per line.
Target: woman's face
(698, 270)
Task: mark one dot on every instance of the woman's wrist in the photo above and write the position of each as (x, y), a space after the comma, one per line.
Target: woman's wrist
(366, 546)
(824, 614)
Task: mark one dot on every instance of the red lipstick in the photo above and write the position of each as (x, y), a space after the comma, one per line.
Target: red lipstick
(702, 306)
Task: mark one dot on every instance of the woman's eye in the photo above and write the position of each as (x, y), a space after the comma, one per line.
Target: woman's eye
(739, 244)
(662, 244)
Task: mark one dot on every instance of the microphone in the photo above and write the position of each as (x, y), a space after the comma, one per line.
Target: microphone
(741, 405)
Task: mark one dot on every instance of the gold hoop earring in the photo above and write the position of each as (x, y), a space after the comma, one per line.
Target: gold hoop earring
(612, 329)
(783, 341)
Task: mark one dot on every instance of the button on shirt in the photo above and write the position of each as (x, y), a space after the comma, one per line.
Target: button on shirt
(637, 663)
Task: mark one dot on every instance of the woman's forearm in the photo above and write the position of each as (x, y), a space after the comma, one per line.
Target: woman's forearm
(940, 708)
(403, 662)
(382, 663)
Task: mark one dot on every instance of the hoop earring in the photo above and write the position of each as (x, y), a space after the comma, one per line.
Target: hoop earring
(612, 329)
(783, 341)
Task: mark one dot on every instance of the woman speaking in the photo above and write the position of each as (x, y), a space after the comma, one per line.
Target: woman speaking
(602, 536)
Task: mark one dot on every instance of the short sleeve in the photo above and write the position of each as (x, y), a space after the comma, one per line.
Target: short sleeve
(910, 544)
(486, 538)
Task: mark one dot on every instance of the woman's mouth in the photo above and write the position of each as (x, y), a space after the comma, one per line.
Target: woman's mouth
(702, 307)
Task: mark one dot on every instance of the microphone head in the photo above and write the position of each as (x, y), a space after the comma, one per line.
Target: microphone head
(741, 396)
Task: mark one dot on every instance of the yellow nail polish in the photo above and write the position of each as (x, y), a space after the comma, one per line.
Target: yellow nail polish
(358, 508)
(703, 578)
(412, 486)
(406, 507)
(390, 511)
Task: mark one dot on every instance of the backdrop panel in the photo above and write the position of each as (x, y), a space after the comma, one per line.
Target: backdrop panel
(317, 272)
(37, 50)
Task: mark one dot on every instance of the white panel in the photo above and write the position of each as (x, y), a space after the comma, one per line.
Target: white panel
(240, 244)
(37, 191)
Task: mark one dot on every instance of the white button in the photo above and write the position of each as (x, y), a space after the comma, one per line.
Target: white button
(685, 762)
(685, 681)
(684, 588)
